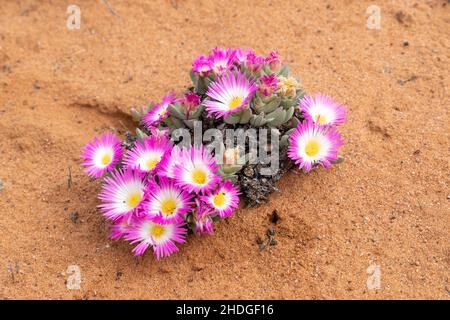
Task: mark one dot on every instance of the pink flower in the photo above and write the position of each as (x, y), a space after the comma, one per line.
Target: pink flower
(222, 60)
(231, 92)
(148, 154)
(274, 61)
(122, 195)
(254, 62)
(323, 110)
(195, 171)
(159, 111)
(311, 145)
(224, 200)
(166, 202)
(101, 155)
(162, 237)
(269, 84)
(203, 218)
(190, 102)
(202, 65)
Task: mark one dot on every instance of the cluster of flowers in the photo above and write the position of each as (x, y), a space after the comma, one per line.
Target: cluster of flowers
(240, 87)
(154, 191)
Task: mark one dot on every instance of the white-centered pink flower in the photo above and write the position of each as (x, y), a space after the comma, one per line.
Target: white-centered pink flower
(311, 145)
(101, 155)
(195, 172)
(229, 94)
(122, 194)
(162, 237)
(166, 202)
(148, 154)
(323, 110)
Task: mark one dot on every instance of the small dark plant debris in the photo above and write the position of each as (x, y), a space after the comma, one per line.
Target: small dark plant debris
(197, 268)
(270, 233)
(111, 9)
(274, 217)
(74, 216)
(119, 275)
(69, 178)
(403, 18)
(129, 141)
(13, 270)
(403, 82)
(257, 187)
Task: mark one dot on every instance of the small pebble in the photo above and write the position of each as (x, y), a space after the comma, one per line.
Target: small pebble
(36, 85)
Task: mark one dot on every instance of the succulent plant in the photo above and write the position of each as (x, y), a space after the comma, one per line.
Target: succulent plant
(274, 103)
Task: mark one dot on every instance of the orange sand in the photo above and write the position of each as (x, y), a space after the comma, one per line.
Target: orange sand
(387, 204)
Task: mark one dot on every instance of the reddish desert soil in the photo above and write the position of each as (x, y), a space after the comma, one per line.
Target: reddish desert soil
(387, 204)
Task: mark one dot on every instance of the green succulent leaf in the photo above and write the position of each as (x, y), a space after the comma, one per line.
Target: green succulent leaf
(258, 120)
(278, 113)
(294, 122)
(189, 123)
(230, 169)
(177, 122)
(266, 69)
(202, 85)
(194, 77)
(135, 115)
(284, 141)
(272, 105)
(289, 114)
(232, 119)
(197, 112)
(140, 134)
(245, 116)
(285, 71)
(176, 111)
(279, 119)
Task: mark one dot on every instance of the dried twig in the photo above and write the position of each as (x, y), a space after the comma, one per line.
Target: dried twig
(69, 179)
(111, 9)
(11, 272)
(270, 240)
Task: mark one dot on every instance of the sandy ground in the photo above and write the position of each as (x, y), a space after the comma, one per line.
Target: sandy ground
(385, 211)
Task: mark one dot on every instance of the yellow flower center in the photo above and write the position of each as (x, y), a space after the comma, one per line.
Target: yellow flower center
(219, 199)
(163, 112)
(290, 83)
(312, 148)
(133, 199)
(168, 206)
(151, 163)
(320, 119)
(106, 159)
(235, 102)
(157, 231)
(199, 176)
